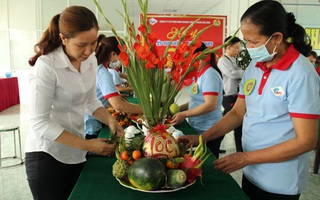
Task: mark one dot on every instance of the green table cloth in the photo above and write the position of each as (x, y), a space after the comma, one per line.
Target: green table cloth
(97, 182)
(132, 99)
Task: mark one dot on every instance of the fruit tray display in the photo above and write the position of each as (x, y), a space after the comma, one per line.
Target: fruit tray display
(126, 183)
(156, 163)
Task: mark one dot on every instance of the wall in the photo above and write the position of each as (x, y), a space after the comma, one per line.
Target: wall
(23, 21)
(307, 14)
(234, 10)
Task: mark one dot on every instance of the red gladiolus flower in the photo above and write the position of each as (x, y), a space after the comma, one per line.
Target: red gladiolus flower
(155, 50)
(124, 58)
(207, 58)
(141, 18)
(152, 38)
(164, 61)
(183, 48)
(122, 49)
(176, 76)
(138, 38)
(192, 74)
(142, 29)
(153, 58)
(150, 65)
(143, 52)
(187, 82)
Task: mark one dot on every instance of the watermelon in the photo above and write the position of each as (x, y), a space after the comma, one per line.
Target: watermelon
(147, 173)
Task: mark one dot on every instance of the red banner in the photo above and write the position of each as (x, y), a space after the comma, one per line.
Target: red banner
(165, 26)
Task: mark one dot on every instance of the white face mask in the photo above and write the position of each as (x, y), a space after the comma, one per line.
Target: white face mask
(114, 65)
(261, 53)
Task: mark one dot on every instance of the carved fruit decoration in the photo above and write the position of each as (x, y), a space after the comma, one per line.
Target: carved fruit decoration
(160, 145)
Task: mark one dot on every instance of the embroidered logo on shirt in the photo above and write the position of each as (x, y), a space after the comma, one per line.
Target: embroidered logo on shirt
(248, 86)
(277, 91)
(194, 88)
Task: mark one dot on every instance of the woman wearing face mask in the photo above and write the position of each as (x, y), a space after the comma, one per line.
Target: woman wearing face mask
(204, 108)
(113, 63)
(279, 106)
(105, 87)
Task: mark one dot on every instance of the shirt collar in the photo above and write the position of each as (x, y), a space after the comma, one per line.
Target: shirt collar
(284, 63)
(204, 69)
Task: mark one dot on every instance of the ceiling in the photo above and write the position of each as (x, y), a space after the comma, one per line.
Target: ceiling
(174, 6)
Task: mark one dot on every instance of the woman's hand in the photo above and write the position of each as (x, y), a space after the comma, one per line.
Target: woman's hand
(101, 146)
(231, 163)
(178, 118)
(189, 140)
(115, 127)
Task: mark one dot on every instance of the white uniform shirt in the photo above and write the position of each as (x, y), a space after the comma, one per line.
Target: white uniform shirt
(231, 74)
(60, 95)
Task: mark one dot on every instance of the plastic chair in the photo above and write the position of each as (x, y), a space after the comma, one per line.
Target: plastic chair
(317, 156)
(11, 129)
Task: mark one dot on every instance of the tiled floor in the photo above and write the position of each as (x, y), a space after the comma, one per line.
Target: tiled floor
(14, 186)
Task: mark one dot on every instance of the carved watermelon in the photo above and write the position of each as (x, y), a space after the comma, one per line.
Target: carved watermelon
(160, 145)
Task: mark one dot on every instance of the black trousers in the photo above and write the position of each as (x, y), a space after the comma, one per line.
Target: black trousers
(255, 193)
(89, 137)
(228, 102)
(48, 178)
(214, 146)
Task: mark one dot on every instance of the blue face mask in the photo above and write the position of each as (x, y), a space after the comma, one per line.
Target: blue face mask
(261, 54)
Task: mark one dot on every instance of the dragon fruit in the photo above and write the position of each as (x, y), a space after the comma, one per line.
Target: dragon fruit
(192, 164)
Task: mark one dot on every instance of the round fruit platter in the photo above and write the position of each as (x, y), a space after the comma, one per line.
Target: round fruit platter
(156, 162)
(126, 183)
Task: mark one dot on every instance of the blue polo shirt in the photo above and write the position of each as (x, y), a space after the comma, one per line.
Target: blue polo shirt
(115, 76)
(105, 89)
(208, 82)
(290, 88)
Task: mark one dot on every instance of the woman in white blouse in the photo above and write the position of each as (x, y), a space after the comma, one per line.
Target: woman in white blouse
(62, 90)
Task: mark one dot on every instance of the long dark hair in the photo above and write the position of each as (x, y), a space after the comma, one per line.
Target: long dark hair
(106, 45)
(213, 61)
(70, 22)
(271, 17)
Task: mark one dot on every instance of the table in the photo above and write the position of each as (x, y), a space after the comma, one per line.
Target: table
(96, 182)
(9, 92)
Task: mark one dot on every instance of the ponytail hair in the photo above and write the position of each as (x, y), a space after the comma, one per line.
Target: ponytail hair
(271, 17)
(72, 21)
(213, 61)
(49, 41)
(106, 45)
(100, 37)
(296, 35)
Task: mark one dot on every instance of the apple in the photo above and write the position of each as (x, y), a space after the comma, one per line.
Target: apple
(174, 108)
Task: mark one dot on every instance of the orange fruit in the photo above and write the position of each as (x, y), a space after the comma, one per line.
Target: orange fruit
(136, 154)
(124, 155)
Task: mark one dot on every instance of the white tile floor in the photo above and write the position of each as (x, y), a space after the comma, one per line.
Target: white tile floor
(14, 186)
